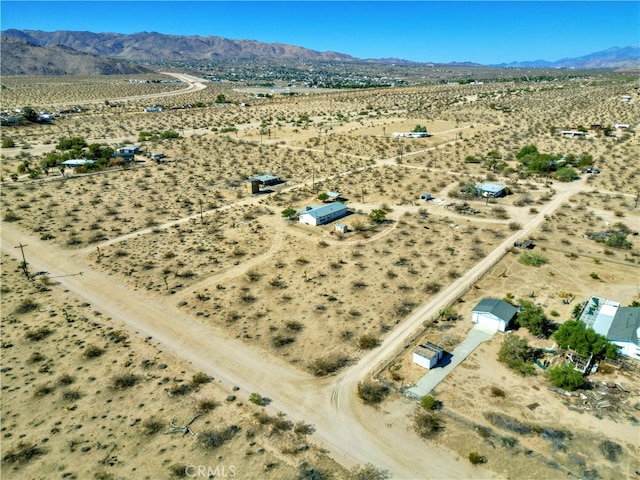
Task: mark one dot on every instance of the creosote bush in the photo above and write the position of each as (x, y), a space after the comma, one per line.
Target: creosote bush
(428, 424)
(124, 381)
(372, 392)
(326, 365)
(213, 439)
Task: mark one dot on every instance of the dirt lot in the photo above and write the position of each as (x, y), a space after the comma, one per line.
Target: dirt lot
(187, 232)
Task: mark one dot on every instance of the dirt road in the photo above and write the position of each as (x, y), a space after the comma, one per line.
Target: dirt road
(351, 432)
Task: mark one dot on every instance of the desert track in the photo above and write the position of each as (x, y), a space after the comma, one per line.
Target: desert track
(343, 425)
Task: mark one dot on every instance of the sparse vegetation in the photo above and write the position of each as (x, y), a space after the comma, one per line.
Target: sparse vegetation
(372, 392)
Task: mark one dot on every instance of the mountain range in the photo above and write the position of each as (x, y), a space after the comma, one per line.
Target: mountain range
(60, 52)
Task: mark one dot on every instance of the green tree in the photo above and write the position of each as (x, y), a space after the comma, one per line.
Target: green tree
(289, 213)
(565, 377)
(526, 150)
(533, 318)
(618, 240)
(256, 398)
(323, 197)
(29, 114)
(377, 215)
(419, 128)
(8, 142)
(516, 354)
(565, 174)
(221, 98)
(576, 335)
(73, 143)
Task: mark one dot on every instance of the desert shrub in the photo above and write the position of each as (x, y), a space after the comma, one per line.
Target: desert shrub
(429, 402)
(532, 259)
(282, 340)
(11, 216)
(368, 341)
(25, 306)
(566, 377)
(508, 423)
(152, 425)
(428, 424)
(42, 390)
(306, 471)
(181, 389)
(497, 392)
(92, 351)
(124, 381)
(256, 398)
(178, 470)
(484, 432)
(8, 142)
(207, 404)
(610, 450)
(516, 354)
(253, 276)
(38, 334)
(368, 472)
(322, 366)
(71, 395)
(66, 379)
(200, 378)
(509, 442)
(22, 453)
(294, 326)
(213, 439)
(117, 336)
(279, 422)
(372, 392)
(301, 428)
(476, 459)
(432, 287)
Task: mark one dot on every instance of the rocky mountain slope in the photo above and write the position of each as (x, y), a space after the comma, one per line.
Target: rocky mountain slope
(20, 57)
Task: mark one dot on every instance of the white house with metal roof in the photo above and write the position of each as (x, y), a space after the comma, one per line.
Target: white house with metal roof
(492, 190)
(493, 314)
(323, 214)
(78, 162)
(621, 325)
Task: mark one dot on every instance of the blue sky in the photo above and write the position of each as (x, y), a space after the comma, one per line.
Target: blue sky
(442, 31)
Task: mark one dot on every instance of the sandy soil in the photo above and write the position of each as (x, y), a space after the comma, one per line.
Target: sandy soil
(274, 296)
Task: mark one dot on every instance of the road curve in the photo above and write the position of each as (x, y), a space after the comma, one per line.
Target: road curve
(350, 432)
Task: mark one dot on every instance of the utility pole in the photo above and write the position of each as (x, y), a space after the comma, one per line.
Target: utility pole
(24, 261)
(201, 218)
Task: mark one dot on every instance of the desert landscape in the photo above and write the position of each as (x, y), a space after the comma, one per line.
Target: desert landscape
(165, 291)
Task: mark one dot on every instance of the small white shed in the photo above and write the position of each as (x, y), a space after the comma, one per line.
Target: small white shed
(427, 355)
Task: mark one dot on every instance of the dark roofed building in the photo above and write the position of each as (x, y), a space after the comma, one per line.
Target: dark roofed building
(494, 314)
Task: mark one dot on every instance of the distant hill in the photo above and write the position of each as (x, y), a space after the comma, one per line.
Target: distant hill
(21, 57)
(625, 57)
(152, 46)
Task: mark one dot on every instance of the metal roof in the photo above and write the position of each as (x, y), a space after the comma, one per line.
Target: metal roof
(324, 210)
(501, 309)
(263, 178)
(491, 187)
(598, 314)
(428, 350)
(626, 325)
